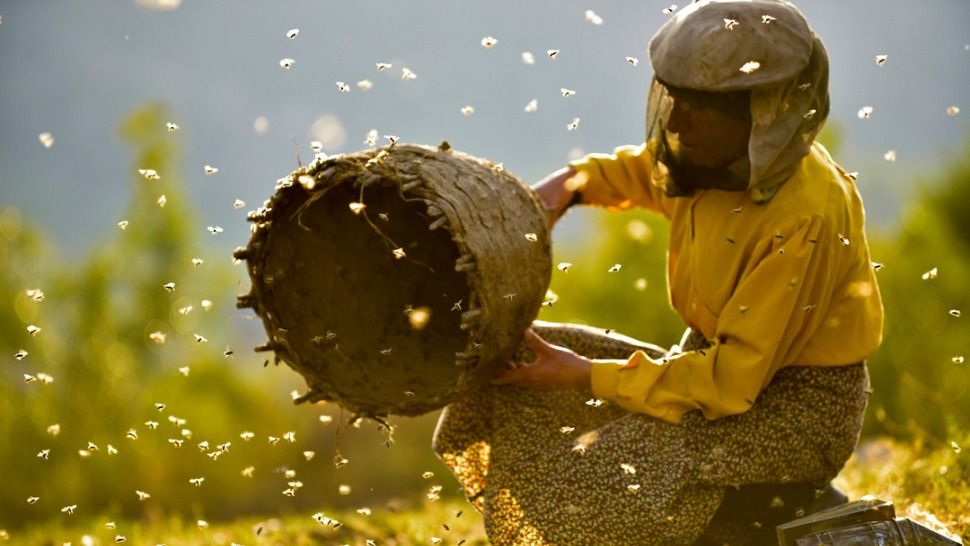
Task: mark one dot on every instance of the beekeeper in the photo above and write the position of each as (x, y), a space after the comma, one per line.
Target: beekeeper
(744, 423)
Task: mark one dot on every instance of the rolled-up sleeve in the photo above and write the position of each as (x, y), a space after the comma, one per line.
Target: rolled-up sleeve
(620, 180)
(776, 307)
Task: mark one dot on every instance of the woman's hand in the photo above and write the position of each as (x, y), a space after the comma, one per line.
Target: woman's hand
(554, 193)
(554, 367)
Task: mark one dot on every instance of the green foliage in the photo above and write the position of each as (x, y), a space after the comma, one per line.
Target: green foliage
(920, 381)
(98, 318)
(633, 300)
(950, 199)
(450, 522)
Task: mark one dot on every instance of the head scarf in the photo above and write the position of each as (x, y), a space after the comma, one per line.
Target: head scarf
(763, 46)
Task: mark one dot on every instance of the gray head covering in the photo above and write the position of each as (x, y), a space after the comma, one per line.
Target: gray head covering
(763, 46)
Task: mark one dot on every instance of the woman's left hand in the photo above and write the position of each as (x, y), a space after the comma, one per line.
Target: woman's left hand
(554, 367)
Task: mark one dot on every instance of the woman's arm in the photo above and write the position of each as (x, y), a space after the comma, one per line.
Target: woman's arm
(621, 180)
(554, 367)
(556, 194)
(774, 311)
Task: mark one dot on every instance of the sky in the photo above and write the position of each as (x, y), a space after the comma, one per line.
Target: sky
(75, 69)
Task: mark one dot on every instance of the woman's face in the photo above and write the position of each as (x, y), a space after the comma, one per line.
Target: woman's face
(712, 128)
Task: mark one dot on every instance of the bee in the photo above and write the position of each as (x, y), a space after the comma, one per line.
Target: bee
(750, 67)
(46, 139)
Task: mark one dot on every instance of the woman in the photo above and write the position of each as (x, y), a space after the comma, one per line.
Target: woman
(720, 438)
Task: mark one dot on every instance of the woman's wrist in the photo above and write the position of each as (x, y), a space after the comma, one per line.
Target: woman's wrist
(554, 193)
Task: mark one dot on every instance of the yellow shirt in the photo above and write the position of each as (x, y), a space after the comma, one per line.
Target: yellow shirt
(785, 283)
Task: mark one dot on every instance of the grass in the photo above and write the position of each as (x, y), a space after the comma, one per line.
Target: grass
(927, 482)
(930, 483)
(449, 521)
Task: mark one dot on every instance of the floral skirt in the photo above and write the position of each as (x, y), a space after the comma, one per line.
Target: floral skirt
(561, 468)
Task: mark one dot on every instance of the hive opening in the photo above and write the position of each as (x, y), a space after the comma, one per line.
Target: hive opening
(372, 294)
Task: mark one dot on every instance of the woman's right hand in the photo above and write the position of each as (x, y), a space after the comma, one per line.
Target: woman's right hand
(554, 194)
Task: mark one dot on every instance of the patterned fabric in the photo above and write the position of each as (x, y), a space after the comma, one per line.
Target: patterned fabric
(559, 468)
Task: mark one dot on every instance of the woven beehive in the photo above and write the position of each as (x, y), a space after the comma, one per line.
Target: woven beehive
(395, 279)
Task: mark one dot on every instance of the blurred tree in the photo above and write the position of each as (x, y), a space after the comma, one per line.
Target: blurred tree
(921, 382)
(633, 300)
(139, 369)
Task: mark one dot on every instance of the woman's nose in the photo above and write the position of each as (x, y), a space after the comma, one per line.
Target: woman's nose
(679, 117)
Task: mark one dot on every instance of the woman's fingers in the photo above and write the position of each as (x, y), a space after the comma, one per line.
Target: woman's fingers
(536, 343)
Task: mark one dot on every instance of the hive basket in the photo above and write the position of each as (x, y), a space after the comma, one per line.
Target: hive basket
(395, 279)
